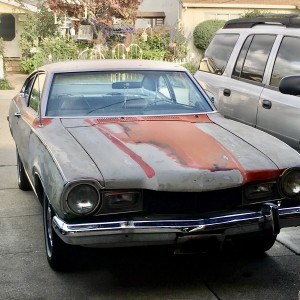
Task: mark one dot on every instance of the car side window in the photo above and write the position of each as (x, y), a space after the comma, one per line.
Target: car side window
(26, 89)
(34, 99)
(256, 57)
(218, 53)
(287, 61)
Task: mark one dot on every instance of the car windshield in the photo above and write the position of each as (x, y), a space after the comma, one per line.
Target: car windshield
(122, 93)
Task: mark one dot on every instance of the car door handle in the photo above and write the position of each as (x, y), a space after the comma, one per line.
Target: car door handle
(227, 92)
(17, 114)
(267, 104)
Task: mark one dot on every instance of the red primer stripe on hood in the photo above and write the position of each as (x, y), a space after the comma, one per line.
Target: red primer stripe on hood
(147, 169)
(183, 142)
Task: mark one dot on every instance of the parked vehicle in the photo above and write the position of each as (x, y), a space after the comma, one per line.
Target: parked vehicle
(242, 68)
(130, 153)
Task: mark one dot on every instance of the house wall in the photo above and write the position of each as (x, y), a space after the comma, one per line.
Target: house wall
(169, 7)
(191, 17)
(12, 48)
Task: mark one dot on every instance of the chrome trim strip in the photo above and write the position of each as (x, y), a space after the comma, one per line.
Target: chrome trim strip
(107, 232)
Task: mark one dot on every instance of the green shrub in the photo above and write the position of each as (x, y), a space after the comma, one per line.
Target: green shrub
(29, 64)
(51, 49)
(204, 32)
(36, 28)
(4, 85)
(254, 13)
(161, 44)
(192, 67)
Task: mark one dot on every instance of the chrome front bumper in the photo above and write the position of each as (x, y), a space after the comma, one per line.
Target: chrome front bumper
(155, 232)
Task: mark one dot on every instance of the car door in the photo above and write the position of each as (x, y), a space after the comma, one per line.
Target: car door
(279, 114)
(240, 98)
(26, 115)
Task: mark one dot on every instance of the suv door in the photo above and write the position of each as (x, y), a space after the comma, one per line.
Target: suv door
(239, 99)
(212, 67)
(281, 117)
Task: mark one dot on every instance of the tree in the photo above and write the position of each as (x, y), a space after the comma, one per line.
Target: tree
(102, 12)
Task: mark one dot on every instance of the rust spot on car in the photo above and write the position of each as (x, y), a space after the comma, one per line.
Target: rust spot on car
(42, 122)
(35, 122)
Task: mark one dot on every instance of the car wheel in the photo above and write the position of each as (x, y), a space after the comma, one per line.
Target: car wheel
(58, 253)
(257, 244)
(23, 181)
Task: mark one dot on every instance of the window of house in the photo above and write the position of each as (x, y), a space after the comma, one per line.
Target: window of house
(153, 19)
(221, 16)
(218, 53)
(287, 61)
(253, 57)
(7, 27)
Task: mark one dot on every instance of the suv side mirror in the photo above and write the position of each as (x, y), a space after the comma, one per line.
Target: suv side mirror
(290, 85)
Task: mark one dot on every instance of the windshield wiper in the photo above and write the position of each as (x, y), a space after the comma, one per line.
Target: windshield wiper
(112, 104)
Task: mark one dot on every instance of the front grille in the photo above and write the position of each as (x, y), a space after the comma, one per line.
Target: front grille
(191, 202)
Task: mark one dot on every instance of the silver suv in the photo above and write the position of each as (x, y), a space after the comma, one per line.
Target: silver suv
(242, 68)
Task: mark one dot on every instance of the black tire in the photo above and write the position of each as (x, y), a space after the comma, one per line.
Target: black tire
(255, 244)
(58, 252)
(23, 181)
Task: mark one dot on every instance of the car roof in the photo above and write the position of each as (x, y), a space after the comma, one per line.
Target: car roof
(110, 64)
(287, 20)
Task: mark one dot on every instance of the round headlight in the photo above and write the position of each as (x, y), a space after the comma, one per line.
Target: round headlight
(290, 183)
(83, 199)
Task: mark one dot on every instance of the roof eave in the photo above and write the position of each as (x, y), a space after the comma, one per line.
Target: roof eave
(23, 6)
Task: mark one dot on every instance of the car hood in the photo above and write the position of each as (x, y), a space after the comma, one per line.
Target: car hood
(186, 153)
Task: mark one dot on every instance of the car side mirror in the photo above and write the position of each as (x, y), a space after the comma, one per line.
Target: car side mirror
(290, 85)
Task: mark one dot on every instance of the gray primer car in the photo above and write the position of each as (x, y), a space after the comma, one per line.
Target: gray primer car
(130, 153)
(242, 68)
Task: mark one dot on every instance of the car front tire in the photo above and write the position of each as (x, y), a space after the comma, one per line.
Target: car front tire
(23, 181)
(58, 253)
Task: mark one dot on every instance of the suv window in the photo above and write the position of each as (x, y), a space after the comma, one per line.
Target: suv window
(215, 60)
(253, 57)
(287, 61)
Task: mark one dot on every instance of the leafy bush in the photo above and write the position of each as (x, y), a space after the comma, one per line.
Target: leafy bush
(161, 44)
(4, 85)
(31, 63)
(204, 32)
(191, 66)
(36, 28)
(51, 49)
(253, 13)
